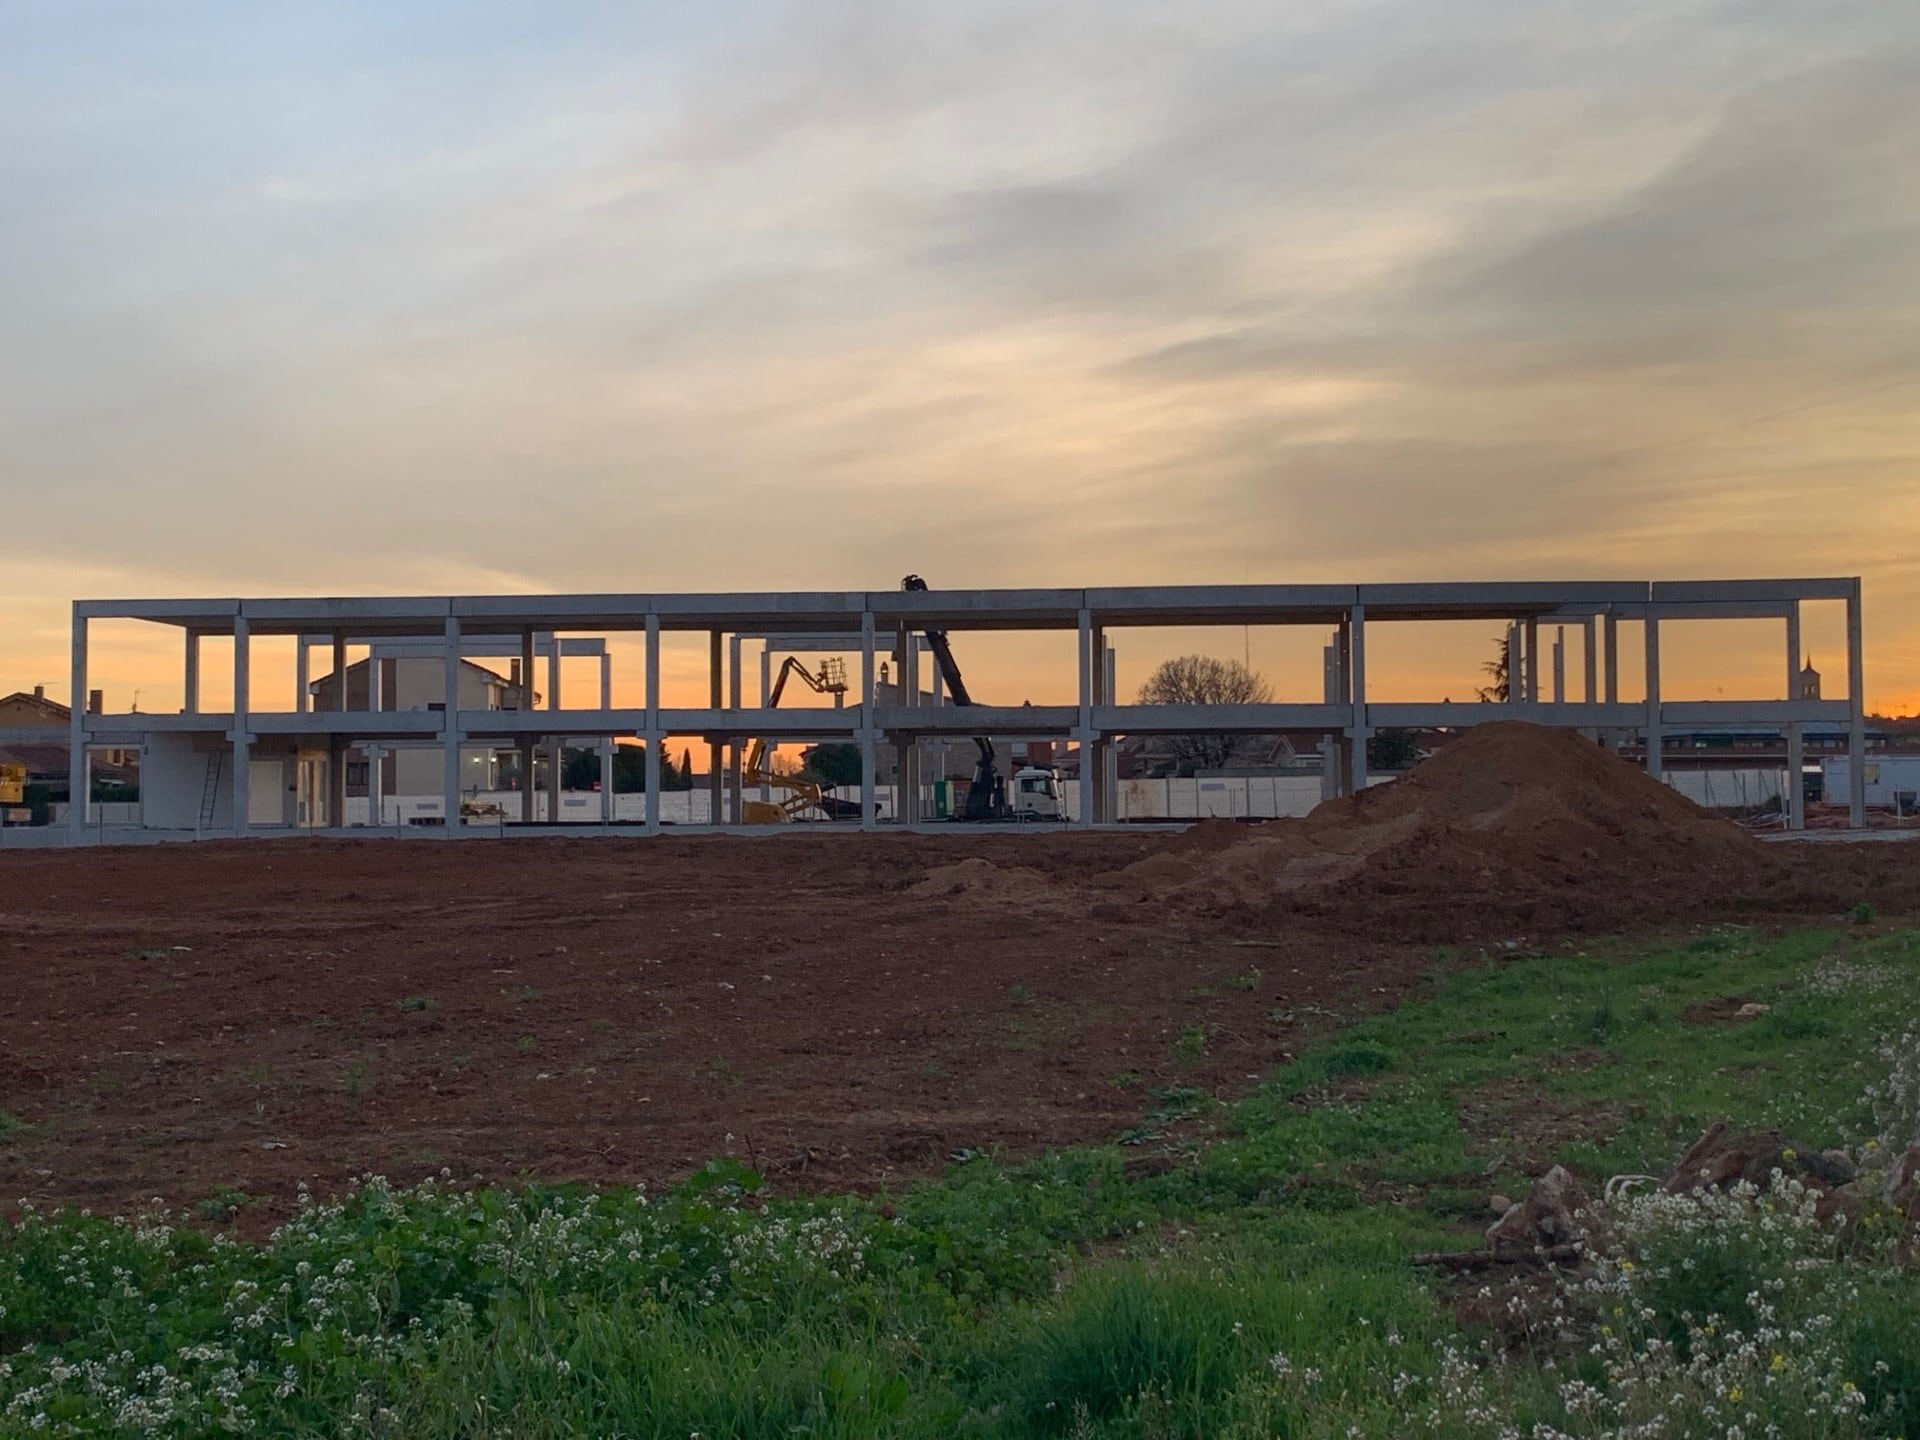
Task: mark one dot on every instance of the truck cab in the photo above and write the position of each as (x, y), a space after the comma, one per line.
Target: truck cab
(1036, 795)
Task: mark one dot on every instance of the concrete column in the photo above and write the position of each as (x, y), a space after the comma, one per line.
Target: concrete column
(940, 752)
(1612, 628)
(78, 789)
(1341, 692)
(374, 798)
(527, 741)
(1656, 752)
(653, 738)
(1794, 801)
(1560, 665)
(1590, 687)
(336, 744)
(1109, 754)
(606, 742)
(1093, 780)
(302, 677)
(190, 675)
(1516, 663)
(765, 793)
(736, 814)
(910, 749)
(556, 744)
(1085, 737)
(242, 740)
(1532, 631)
(868, 790)
(1330, 754)
(450, 729)
(376, 682)
(1358, 734)
(1856, 711)
(716, 672)
(902, 805)
(336, 781)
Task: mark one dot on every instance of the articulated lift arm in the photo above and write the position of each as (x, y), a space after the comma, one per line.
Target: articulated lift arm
(985, 797)
(801, 795)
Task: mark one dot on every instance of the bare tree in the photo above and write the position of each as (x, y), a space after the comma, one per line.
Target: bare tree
(1204, 680)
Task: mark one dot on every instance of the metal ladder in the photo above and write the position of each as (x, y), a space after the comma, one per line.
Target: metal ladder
(211, 790)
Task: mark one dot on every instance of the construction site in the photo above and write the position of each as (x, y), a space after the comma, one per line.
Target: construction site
(851, 1008)
(424, 704)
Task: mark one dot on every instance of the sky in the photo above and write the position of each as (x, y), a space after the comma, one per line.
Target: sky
(433, 297)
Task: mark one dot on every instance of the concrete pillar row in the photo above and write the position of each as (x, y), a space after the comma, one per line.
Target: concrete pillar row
(450, 729)
(242, 739)
(1358, 734)
(1857, 712)
(653, 738)
(1656, 740)
(607, 746)
(1794, 801)
(869, 791)
(716, 674)
(78, 789)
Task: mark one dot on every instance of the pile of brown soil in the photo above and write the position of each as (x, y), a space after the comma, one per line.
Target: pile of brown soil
(1523, 822)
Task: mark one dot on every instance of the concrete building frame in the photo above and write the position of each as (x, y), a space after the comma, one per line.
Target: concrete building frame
(458, 627)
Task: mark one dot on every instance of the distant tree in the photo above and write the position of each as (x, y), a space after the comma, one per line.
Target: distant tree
(684, 780)
(581, 770)
(831, 764)
(1499, 672)
(1205, 680)
(1393, 749)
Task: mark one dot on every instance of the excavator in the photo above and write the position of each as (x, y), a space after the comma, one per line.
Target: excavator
(797, 796)
(1038, 793)
(1037, 796)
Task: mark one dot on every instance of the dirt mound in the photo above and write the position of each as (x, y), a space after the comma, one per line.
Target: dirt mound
(976, 875)
(1512, 818)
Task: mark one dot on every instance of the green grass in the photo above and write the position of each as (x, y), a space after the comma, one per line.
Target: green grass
(1239, 1269)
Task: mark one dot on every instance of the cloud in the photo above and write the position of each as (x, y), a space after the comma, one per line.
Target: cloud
(781, 295)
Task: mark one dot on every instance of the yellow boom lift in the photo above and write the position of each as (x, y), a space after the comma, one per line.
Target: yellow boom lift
(796, 796)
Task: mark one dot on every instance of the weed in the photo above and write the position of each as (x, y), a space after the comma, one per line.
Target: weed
(1603, 1020)
(1861, 914)
(359, 1078)
(1018, 994)
(1177, 1102)
(1252, 1283)
(1023, 1033)
(1189, 1047)
(526, 1044)
(1125, 1080)
(11, 1126)
(524, 994)
(1248, 981)
(417, 1002)
(223, 1204)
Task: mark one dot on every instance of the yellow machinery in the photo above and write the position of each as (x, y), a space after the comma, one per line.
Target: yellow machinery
(797, 796)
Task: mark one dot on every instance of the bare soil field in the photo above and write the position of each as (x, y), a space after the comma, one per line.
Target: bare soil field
(833, 1009)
